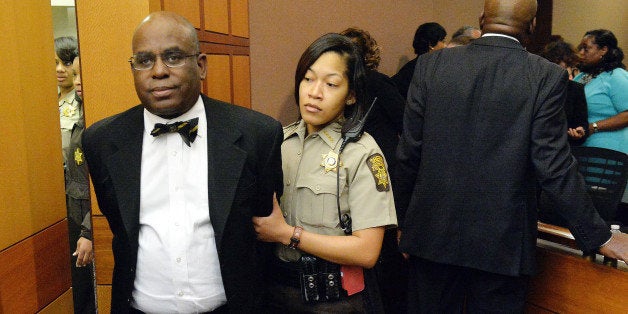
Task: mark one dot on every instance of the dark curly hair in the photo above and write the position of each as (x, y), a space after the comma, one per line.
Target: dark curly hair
(613, 57)
(560, 51)
(426, 36)
(366, 43)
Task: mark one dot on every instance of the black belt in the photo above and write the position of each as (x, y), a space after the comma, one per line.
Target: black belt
(223, 309)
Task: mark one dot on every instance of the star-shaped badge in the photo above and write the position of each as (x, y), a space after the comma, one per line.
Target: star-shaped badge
(78, 156)
(330, 161)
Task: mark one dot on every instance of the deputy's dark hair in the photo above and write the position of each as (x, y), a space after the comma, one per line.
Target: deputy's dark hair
(66, 48)
(613, 57)
(356, 72)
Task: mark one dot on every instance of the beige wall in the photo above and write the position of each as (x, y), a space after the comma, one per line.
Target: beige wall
(282, 29)
(574, 17)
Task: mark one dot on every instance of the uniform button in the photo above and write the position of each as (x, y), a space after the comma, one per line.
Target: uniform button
(174, 154)
(299, 153)
(285, 214)
(180, 293)
(318, 187)
(176, 223)
(178, 260)
(288, 183)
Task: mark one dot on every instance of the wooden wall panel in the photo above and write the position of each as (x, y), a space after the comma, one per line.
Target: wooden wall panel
(190, 9)
(35, 271)
(104, 298)
(63, 304)
(571, 284)
(216, 14)
(218, 80)
(32, 195)
(34, 248)
(240, 18)
(102, 250)
(242, 81)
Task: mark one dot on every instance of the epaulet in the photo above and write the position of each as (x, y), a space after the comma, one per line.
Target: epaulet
(290, 129)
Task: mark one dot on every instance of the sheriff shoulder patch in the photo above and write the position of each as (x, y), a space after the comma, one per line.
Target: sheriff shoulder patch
(378, 169)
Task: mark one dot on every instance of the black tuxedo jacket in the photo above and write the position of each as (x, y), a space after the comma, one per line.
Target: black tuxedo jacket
(576, 110)
(483, 123)
(244, 157)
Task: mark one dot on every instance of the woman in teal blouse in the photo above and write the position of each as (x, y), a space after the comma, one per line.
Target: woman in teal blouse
(606, 89)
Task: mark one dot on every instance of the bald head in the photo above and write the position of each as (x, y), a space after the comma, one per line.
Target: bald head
(170, 20)
(171, 83)
(510, 17)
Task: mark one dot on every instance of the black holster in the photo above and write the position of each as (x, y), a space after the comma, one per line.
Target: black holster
(320, 280)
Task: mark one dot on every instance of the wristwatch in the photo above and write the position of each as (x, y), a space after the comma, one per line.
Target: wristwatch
(594, 125)
(296, 237)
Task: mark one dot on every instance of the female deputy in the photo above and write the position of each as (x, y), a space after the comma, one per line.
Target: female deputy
(311, 243)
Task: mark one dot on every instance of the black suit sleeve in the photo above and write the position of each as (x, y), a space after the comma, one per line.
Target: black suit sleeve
(576, 110)
(557, 169)
(409, 148)
(271, 176)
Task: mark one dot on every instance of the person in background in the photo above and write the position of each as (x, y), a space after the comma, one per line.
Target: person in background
(478, 137)
(575, 106)
(563, 54)
(463, 36)
(384, 123)
(78, 203)
(337, 202)
(605, 80)
(429, 37)
(66, 49)
(179, 179)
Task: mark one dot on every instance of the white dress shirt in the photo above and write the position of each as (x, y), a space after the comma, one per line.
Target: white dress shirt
(177, 262)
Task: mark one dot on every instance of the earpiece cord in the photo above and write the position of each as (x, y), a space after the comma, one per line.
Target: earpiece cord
(353, 135)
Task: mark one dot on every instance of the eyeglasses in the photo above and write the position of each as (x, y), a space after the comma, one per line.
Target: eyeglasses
(146, 61)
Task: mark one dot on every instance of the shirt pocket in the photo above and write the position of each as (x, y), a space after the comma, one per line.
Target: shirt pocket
(318, 201)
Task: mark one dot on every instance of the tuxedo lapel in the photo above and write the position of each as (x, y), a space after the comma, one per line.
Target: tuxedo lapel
(225, 162)
(125, 168)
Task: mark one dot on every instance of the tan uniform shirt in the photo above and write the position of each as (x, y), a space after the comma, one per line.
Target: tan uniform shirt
(70, 113)
(309, 174)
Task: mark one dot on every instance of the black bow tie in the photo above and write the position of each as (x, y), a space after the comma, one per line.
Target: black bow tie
(187, 129)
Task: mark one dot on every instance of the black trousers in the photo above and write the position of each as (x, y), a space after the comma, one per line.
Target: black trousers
(392, 274)
(82, 277)
(442, 288)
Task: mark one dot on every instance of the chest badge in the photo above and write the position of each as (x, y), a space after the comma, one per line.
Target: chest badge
(69, 111)
(78, 156)
(330, 161)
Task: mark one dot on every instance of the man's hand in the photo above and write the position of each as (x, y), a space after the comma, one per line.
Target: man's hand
(274, 227)
(405, 255)
(576, 133)
(84, 252)
(617, 247)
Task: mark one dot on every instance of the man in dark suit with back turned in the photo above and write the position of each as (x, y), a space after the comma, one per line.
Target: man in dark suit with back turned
(483, 123)
(180, 204)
